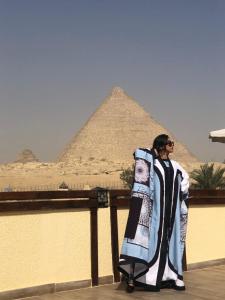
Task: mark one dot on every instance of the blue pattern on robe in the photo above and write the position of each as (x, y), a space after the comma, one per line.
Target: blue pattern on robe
(161, 224)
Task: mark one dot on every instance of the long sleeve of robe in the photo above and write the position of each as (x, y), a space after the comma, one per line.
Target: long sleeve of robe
(156, 227)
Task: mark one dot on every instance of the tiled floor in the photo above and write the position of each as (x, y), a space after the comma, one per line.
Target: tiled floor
(200, 284)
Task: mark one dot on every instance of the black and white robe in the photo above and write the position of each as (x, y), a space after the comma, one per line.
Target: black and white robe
(156, 227)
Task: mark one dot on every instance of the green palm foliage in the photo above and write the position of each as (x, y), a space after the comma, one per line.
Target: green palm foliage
(208, 178)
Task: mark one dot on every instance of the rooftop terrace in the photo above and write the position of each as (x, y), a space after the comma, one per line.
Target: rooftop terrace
(206, 283)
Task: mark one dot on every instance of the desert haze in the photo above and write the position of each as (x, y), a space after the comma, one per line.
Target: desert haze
(98, 152)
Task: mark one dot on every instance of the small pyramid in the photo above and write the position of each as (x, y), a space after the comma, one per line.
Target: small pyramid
(26, 156)
(116, 129)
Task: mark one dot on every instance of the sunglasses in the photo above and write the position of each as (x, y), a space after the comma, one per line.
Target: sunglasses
(170, 143)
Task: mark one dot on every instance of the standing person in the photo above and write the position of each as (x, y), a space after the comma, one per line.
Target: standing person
(153, 245)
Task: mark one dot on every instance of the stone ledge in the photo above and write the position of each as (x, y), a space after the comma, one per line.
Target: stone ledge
(52, 288)
(206, 264)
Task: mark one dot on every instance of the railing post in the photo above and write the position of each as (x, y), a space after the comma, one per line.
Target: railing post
(94, 245)
(114, 241)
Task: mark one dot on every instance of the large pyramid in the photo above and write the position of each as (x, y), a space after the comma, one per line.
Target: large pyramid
(115, 130)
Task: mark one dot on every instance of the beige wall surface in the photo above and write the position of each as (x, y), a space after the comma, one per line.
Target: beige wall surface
(54, 247)
(44, 248)
(104, 242)
(49, 247)
(206, 233)
(122, 222)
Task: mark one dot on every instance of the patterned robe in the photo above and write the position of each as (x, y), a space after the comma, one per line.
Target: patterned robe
(156, 227)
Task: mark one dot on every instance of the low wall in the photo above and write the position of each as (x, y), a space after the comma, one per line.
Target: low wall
(45, 247)
(42, 248)
(205, 233)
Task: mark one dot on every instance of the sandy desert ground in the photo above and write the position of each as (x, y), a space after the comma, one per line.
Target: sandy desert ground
(48, 176)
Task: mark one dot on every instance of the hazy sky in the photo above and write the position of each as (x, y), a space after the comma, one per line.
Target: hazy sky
(60, 59)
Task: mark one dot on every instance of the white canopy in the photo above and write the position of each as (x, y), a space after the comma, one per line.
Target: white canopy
(217, 136)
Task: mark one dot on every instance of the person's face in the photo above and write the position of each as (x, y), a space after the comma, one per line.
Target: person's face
(169, 146)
